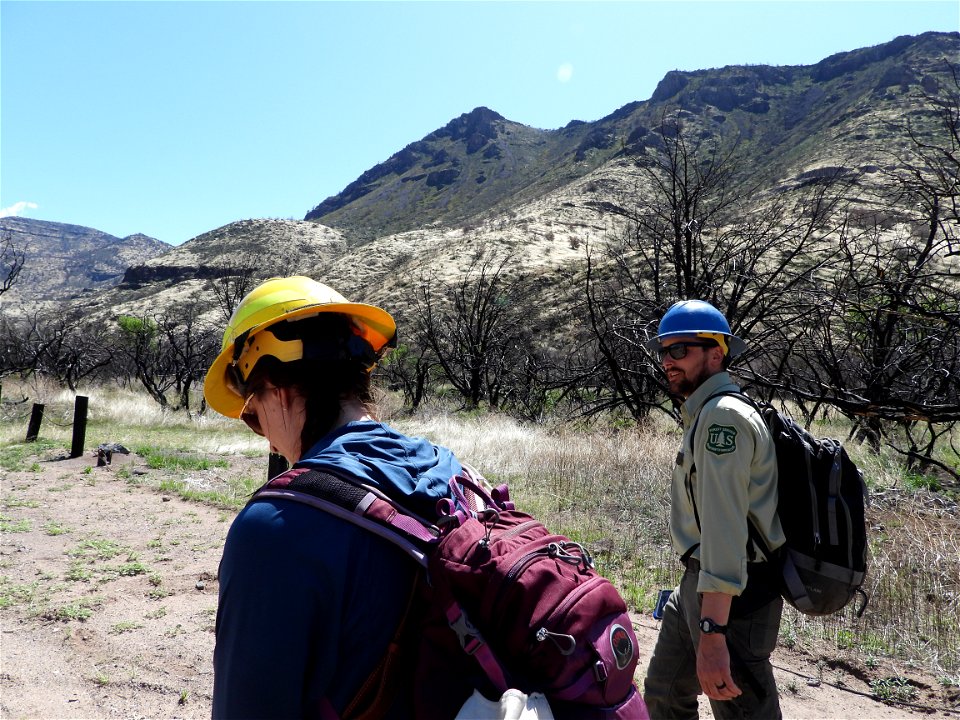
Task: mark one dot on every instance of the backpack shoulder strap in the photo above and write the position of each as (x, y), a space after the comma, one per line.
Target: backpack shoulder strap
(373, 511)
(752, 532)
(740, 395)
(355, 503)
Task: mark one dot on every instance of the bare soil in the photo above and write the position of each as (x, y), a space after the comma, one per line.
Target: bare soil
(108, 595)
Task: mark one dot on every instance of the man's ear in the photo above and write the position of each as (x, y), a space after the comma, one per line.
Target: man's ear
(715, 355)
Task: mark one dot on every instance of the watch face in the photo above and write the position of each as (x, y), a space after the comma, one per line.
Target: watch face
(709, 626)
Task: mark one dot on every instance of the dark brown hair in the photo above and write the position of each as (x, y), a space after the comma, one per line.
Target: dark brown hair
(333, 369)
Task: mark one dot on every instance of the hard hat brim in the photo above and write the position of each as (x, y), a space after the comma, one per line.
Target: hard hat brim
(376, 326)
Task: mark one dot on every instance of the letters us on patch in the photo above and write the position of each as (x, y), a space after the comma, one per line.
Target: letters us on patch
(721, 439)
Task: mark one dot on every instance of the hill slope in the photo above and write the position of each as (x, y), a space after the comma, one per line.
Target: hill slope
(787, 119)
(63, 260)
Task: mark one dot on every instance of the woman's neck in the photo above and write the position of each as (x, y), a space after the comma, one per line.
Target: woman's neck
(352, 410)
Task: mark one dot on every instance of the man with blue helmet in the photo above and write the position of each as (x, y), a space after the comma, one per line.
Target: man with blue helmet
(721, 623)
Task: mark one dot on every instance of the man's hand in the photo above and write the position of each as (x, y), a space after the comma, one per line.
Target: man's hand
(713, 668)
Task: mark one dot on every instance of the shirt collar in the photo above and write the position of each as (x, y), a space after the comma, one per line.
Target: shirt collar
(714, 384)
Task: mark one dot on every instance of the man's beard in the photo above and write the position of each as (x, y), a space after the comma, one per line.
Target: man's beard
(685, 386)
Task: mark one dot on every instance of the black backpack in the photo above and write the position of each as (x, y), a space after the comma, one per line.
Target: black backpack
(821, 499)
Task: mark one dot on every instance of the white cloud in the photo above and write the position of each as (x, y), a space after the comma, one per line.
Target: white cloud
(17, 208)
(565, 72)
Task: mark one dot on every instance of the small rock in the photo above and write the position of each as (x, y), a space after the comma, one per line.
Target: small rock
(200, 585)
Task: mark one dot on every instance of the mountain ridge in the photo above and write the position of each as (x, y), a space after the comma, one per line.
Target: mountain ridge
(446, 176)
(63, 260)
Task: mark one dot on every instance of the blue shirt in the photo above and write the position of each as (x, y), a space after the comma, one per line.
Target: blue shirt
(309, 602)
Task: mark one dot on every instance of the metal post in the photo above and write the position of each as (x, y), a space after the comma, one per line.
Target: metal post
(36, 416)
(277, 465)
(79, 426)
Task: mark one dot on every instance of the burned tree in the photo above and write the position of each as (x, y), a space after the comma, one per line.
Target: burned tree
(168, 357)
(230, 287)
(883, 337)
(12, 259)
(694, 227)
(473, 328)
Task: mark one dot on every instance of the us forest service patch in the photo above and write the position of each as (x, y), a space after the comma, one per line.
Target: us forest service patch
(721, 439)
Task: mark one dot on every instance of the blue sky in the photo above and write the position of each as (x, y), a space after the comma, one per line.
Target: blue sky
(174, 118)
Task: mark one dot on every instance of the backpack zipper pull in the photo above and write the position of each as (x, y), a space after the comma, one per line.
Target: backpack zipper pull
(489, 518)
(566, 644)
(561, 552)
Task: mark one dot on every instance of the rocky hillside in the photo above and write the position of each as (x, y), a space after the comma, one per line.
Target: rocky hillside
(63, 261)
(787, 120)
(181, 276)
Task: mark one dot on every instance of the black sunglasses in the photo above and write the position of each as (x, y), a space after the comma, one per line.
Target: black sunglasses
(678, 351)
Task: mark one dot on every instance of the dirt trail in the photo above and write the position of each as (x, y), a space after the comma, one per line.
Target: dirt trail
(108, 597)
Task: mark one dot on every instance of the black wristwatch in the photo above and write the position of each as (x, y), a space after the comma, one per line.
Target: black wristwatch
(708, 626)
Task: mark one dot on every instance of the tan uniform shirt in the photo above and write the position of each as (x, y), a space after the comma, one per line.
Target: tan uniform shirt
(735, 477)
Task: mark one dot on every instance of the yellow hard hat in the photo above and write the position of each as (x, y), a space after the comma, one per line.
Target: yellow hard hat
(273, 301)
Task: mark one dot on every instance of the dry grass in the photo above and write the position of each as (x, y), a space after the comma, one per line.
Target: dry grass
(117, 415)
(609, 489)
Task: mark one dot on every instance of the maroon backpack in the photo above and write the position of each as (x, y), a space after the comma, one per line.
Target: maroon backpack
(502, 603)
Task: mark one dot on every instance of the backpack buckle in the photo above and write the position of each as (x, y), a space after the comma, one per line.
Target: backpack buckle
(470, 639)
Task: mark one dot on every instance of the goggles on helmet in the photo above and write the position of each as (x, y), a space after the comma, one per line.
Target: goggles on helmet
(249, 349)
(719, 338)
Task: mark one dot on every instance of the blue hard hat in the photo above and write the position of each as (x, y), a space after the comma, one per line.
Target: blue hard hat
(700, 319)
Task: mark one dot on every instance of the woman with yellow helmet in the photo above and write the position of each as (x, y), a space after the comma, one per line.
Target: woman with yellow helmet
(308, 602)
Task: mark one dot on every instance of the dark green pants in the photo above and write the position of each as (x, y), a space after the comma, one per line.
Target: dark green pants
(671, 686)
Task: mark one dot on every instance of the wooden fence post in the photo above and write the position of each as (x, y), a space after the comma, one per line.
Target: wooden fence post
(36, 416)
(79, 426)
(277, 465)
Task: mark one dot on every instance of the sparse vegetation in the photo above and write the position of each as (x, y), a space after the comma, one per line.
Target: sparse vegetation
(96, 549)
(132, 568)
(12, 456)
(13, 525)
(893, 689)
(125, 627)
(79, 572)
(55, 528)
(101, 679)
(156, 614)
(158, 459)
(79, 610)
(15, 594)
